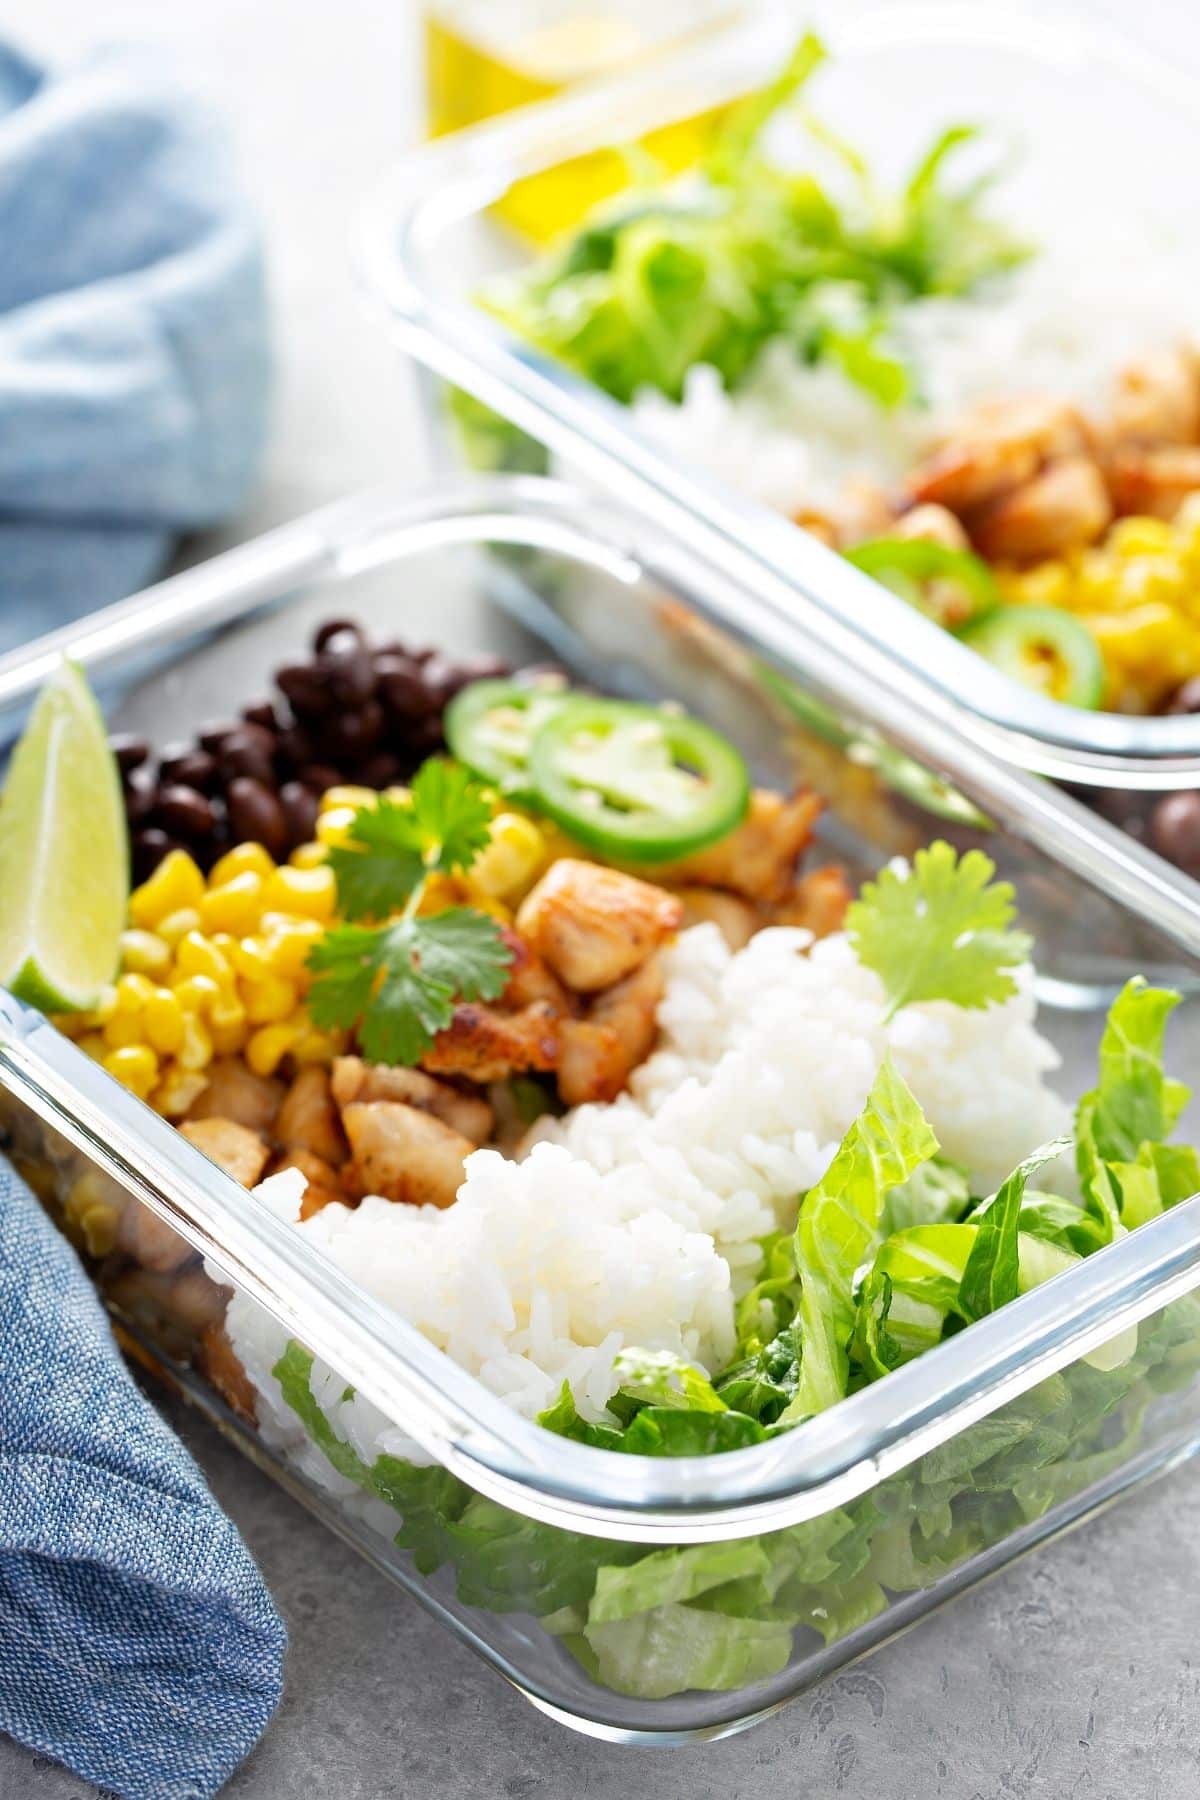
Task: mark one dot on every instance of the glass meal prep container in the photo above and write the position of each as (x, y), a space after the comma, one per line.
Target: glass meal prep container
(955, 1463)
(1053, 83)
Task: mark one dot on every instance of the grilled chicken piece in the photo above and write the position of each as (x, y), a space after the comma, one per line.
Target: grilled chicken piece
(485, 1045)
(354, 1079)
(930, 524)
(759, 858)
(818, 902)
(403, 1153)
(231, 1146)
(324, 1185)
(1156, 482)
(173, 1308)
(593, 924)
(234, 1092)
(996, 448)
(1063, 508)
(1157, 400)
(529, 979)
(600, 1051)
(736, 919)
(308, 1119)
(218, 1363)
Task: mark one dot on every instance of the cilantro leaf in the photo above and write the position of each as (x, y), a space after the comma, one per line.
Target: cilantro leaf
(398, 983)
(382, 862)
(452, 812)
(940, 931)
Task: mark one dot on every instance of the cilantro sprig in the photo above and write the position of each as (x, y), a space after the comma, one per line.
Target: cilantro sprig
(940, 931)
(396, 979)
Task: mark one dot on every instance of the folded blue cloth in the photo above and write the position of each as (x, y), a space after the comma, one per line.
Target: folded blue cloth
(138, 1644)
(133, 363)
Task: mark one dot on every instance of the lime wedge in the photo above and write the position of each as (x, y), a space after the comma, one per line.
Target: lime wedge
(64, 854)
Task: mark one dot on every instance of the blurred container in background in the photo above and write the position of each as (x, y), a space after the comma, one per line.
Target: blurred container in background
(484, 57)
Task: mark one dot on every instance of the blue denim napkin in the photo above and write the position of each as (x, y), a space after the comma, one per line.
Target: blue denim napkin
(138, 1644)
(133, 362)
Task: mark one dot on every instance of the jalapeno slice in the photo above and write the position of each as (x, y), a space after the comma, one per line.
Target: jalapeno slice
(1047, 649)
(491, 724)
(954, 588)
(636, 783)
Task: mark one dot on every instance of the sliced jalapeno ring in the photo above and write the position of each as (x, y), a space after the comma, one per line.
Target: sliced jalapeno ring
(954, 588)
(490, 725)
(636, 782)
(1045, 648)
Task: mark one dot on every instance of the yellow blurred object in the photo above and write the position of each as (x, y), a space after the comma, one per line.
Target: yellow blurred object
(511, 861)
(484, 58)
(1139, 593)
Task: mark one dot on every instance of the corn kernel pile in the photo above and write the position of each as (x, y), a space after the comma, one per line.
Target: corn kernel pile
(1139, 594)
(216, 966)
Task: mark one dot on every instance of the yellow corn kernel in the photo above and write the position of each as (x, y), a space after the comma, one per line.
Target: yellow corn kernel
(333, 827)
(123, 1029)
(144, 953)
(197, 955)
(133, 991)
(306, 893)
(105, 1007)
(196, 1051)
(92, 1044)
(228, 1026)
(176, 883)
(350, 796)
(94, 1207)
(243, 859)
(511, 860)
(314, 1046)
(270, 1000)
(307, 856)
(267, 1047)
(176, 925)
(135, 1066)
(196, 993)
(163, 1021)
(234, 905)
(251, 959)
(1140, 537)
(288, 942)
(226, 943)
(176, 1091)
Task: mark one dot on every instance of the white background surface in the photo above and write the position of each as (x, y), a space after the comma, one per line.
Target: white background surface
(1075, 1674)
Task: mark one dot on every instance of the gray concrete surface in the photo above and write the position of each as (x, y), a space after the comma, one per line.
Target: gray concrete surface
(1076, 1673)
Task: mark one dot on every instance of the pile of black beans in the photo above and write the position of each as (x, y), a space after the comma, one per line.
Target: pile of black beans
(351, 712)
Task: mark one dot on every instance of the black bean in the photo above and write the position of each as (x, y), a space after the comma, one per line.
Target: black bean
(346, 664)
(130, 752)
(255, 815)
(306, 689)
(354, 733)
(441, 681)
(425, 735)
(381, 770)
(148, 849)
(248, 751)
(184, 811)
(332, 628)
(1187, 698)
(320, 776)
(194, 768)
(403, 687)
(1121, 805)
(141, 790)
(293, 748)
(300, 807)
(1175, 829)
(211, 736)
(264, 713)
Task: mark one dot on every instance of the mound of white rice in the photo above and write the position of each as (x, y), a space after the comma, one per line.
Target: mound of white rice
(794, 434)
(637, 1223)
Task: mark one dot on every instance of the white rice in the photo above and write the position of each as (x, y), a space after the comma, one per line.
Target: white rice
(793, 434)
(637, 1223)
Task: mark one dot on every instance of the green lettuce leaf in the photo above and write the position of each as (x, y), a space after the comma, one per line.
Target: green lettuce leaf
(839, 1219)
(991, 1277)
(656, 1378)
(938, 1193)
(674, 1648)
